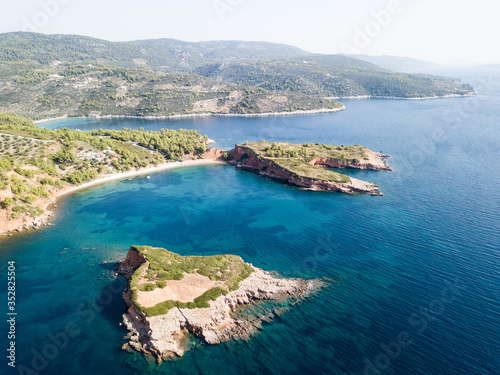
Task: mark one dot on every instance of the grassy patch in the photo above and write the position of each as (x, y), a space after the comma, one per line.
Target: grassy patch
(164, 265)
(297, 158)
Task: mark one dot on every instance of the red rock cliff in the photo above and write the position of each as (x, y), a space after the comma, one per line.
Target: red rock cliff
(245, 158)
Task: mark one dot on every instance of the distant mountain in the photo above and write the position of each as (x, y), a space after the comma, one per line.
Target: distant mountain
(396, 63)
(331, 76)
(52, 75)
(489, 66)
(168, 55)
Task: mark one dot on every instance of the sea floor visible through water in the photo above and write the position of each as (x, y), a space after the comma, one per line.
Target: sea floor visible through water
(420, 263)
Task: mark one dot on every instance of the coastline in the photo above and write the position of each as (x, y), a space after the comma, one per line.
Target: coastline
(365, 97)
(119, 176)
(265, 114)
(263, 167)
(43, 220)
(194, 115)
(161, 332)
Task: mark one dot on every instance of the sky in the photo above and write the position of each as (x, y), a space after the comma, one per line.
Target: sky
(442, 31)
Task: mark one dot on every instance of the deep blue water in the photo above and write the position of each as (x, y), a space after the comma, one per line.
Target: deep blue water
(420, 264)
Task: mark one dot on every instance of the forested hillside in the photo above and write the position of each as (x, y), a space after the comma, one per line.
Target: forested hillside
(37, 163)
(332, 76)
(53, 75)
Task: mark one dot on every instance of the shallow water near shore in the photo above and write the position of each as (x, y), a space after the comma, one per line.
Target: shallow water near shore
(421, 260)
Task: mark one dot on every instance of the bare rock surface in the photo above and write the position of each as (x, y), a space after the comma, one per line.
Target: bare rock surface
(164, 336)
(245, 158)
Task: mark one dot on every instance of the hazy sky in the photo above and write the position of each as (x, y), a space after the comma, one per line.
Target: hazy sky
(435, 30)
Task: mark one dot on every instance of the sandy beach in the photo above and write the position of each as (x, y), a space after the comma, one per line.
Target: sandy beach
(51, 119)
(7, 227)
(123, 175)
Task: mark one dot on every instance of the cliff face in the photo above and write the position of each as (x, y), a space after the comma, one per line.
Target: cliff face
(213, 153)
(375, 161)
(133, 260)
(163, 336)
(245, 158)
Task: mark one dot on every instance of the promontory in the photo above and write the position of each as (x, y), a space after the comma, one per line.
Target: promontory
(170, 296)
(309, 165)
(38, 165)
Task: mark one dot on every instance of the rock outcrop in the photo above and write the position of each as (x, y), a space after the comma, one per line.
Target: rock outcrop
(9, 226)
(375, 161)
(245, 158)
(163, 336)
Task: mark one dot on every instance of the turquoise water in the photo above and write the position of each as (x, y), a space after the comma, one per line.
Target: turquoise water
(393, 258)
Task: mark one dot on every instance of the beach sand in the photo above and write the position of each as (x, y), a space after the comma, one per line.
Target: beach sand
(8, 226)
(123, 175)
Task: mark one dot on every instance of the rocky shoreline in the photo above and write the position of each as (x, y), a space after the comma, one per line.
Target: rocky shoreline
(7, 228)
(164, 336)
(251, 162)
(206, 114)
(245, 158)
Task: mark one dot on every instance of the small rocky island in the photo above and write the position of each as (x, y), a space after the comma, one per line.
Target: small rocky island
(307, 165)
(170, 296)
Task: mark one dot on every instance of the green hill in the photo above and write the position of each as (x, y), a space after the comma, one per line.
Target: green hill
(332, 76)
(169, 55)
(52, 75)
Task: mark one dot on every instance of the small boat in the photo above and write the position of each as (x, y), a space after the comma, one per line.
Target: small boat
(148, 177)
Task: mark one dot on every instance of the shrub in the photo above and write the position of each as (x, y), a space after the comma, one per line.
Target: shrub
(204, 271)
(159, 309)
(6, 163)
(7, 202)
(40, 191)
(29, 199)
(148, 287)
(25, 172)
(161, 284)
(47, 181)
(209, 295)
(63, 156)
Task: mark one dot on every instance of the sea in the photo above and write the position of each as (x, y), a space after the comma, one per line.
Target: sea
(412, 277)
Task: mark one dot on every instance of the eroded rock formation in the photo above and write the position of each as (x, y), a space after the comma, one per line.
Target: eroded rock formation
(245, 158)
(163, 336)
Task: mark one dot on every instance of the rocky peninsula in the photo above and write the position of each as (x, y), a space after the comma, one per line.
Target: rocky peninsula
(170, 296)
(306, 165)
(39, 165)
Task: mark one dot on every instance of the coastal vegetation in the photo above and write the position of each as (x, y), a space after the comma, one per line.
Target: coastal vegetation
(163, 266)
(298, 158)
(39, 91)
(332, 76)
(36, 163)
(45, 76)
